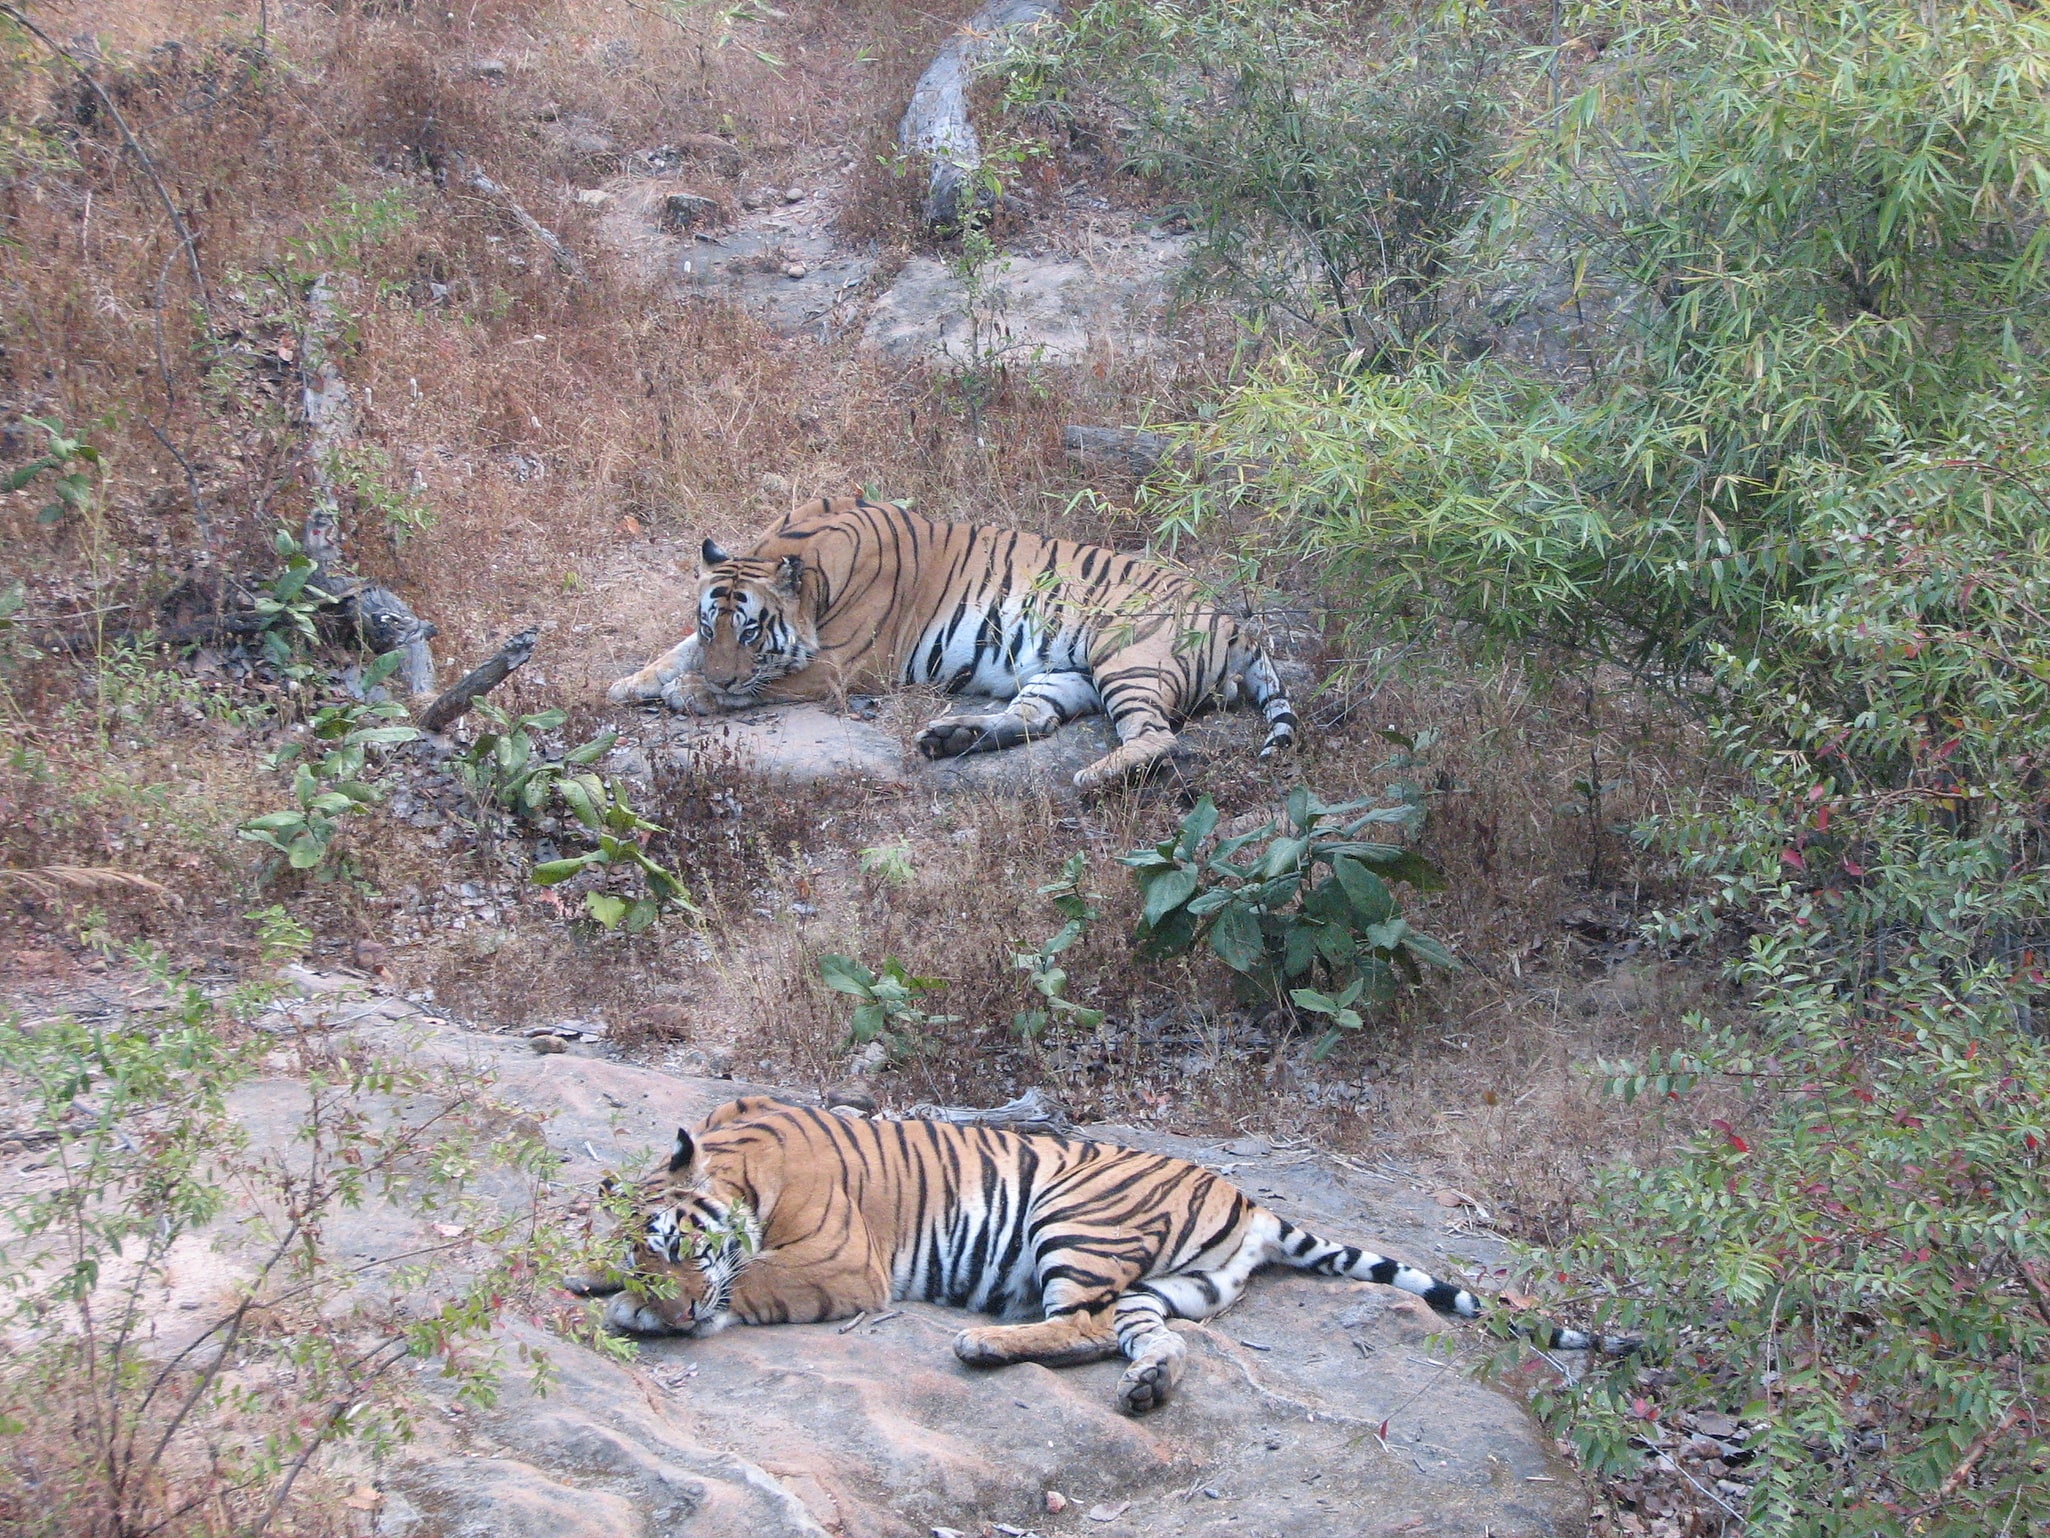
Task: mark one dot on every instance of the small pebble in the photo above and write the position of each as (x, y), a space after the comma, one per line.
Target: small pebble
(795, 270)
(793, 194)
(1056, 1503)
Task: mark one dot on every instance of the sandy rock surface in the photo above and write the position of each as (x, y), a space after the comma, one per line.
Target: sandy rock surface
(877, 1429)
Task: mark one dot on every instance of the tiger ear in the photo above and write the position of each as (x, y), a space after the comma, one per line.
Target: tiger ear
(681, 1155)
(790, 576)
(711, 554)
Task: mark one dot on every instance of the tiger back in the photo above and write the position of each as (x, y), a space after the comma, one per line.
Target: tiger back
(847, 595)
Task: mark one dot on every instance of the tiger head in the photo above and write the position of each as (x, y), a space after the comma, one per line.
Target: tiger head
(685, 1245)
(754, 623)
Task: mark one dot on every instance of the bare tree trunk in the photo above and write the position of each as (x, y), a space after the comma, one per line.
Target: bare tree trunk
(384, 620)
(936, 122)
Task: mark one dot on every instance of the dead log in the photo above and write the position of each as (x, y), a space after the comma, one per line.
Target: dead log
(1033, 1111)
(1135, 452)
(936, 125)
(383, 620)
(478, 682)
(1129, 450)
(565, 259)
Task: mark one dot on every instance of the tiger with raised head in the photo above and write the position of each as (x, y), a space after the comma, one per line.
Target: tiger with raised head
(847, 596)
(782, 1214)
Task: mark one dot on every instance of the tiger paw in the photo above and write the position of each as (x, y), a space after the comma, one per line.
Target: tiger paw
(633, 688)
(1147, 1386)
(976, 1349)
(955, 736)
(688, 695)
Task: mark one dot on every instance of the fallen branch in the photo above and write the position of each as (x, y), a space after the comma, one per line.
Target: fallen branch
(1135, 452)
(384, 622)
(936, 124)
(48, 881)
(1130, 450)
(564, 258)
(478, 682)
(1033, 1111)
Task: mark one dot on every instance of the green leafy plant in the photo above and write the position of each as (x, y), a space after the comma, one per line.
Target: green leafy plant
(1042, 965)
(287, 608)
(888, 1011)
(367, 471)
(70, 461)
(890, 863)
(615, 828)
(505, 768)
(1287, 901)
(330, 787)
(279, 936)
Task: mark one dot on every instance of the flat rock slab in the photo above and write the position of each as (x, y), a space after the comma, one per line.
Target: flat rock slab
(1032, 309)
(812, 745)
(879, 1432)
(1314, 1405)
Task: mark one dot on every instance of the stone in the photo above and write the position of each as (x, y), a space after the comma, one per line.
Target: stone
(793, 194)
(686, 211)
(720, 156)
(794, 270)
(790, 744)
(807, 1430)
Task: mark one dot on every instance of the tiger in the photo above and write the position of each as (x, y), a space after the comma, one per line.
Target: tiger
(775, 1213)
(848, 595)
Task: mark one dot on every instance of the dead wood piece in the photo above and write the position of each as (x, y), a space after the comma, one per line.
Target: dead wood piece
(479, 681)
(935, 123)
(1131, 450)
(475, 178)
(1135, 452)
(382, 618)
(1033, 1111)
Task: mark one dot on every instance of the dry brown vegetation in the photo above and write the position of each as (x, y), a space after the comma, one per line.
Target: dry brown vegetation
(563, 435)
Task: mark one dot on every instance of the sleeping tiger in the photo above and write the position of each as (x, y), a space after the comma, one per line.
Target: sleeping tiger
(846, 596)
(783, 1214)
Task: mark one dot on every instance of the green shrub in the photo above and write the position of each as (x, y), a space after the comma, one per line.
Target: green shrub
(1803, 483)
(615, 829)
(1329, 175)
(888, 1011)
(1269, 917)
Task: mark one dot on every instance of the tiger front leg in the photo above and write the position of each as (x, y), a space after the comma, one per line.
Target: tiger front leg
(1046, 702)
(673, 678)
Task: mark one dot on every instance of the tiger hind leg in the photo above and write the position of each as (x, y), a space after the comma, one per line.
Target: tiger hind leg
(1044, 704)
(1155, 1351)
(1264, 686)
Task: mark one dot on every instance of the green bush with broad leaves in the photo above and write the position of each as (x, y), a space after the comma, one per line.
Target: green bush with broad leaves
(1292, 901)
(331, 786)
(617, 856)
(1802, 484)
(888, 1011)
(505, 768)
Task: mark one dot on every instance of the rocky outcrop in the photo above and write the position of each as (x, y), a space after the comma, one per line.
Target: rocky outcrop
(1313, 1405)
